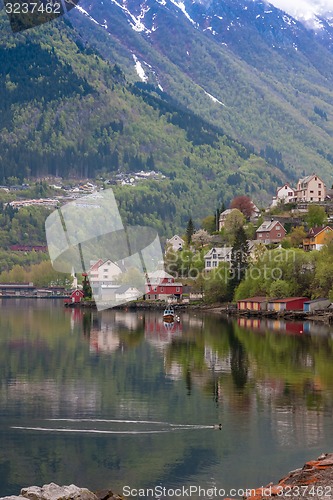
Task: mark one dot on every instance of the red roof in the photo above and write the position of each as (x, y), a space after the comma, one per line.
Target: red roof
(314, 231)
(254, 299)
(289, 299)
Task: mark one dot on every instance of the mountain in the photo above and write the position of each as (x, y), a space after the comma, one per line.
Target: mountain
(242, 65)
(66, 111)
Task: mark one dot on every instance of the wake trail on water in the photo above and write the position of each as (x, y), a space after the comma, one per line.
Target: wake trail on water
(170, 427)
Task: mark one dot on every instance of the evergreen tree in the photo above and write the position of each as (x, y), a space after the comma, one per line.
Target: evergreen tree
(189, 231)
(86, 288)
(239, 261)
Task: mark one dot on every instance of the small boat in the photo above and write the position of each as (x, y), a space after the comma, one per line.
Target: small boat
(169, 315)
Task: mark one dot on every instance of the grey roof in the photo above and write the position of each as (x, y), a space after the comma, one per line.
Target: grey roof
(268, 225)
(124, 288)
(220, 251)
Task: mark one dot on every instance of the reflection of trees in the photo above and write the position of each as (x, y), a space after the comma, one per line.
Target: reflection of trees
(239, 359)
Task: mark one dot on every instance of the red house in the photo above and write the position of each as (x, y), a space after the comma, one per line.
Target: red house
(162, 286)
(288, 304)
(75, 297)
(271, 232)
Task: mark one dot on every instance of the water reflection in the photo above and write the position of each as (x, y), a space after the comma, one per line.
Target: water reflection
(269, 383)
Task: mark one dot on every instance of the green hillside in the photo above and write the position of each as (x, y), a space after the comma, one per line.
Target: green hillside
(271, 87)
(67, 112)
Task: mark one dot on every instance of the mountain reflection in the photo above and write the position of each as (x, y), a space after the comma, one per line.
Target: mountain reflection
(92, 374)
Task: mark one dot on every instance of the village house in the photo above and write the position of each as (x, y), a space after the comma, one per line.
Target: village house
(126, 293)
(223, 216)
(271, 232)
(176, 243)
(316, 305)
(252, 304)
(316, 238)
(287, 304)
(216, 256)
(103, 278)
(284, 194)
(162, 286)
(310, 189)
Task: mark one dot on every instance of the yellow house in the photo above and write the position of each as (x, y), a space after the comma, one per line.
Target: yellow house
(316, 238)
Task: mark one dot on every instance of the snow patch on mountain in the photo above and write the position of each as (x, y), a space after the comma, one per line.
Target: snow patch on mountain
(139, 69)
(214, 99)
(181, 6)
(135, 21)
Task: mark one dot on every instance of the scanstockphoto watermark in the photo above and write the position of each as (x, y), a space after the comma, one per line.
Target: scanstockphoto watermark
(268, 267)
(90, 232)
(195, 491)
(26, 14)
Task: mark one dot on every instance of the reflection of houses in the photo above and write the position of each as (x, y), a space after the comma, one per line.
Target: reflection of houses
(162, 286)
(251, 323)
(271, 232)
(288, 304)
(216, 256)
(103, 338)
(316, 238)
(157, 333)
(215, 363)
(252, 304)
(295, 424)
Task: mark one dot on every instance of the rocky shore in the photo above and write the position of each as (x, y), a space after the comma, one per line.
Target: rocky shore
(53, 491)
(314, 481)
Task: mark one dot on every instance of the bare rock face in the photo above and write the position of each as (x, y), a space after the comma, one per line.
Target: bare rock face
(53, 492)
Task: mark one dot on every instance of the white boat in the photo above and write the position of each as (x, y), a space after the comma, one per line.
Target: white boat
(169, 315)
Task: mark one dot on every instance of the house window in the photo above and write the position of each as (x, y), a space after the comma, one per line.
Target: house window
(162, 288)
(214, 255)
(260, 235)
(278, 228)
(105, 277)
(105, 270)
(279, 235)
(319, 192)
(311, 199)
(311, 191)
(208, 263)
(169, 280)
(177, 289)
(319, 185)
(214, 263)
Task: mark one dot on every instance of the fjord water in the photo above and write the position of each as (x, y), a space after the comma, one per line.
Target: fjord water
(109, 399)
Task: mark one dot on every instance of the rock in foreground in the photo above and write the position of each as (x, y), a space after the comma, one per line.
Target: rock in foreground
(54, 492)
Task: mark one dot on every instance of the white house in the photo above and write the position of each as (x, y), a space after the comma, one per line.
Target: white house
(284, 194)
(176, 243)
(103, 277)
(126, 293)
(311, 189)
(216, 256)
(223, 216)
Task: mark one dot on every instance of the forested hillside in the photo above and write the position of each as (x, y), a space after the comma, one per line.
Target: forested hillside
(242, 65)
(67, 112)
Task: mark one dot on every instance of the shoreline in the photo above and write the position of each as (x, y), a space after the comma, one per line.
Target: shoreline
(228, 312)
(313, 481)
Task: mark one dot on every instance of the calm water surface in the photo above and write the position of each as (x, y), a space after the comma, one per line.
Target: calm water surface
(105, 400)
